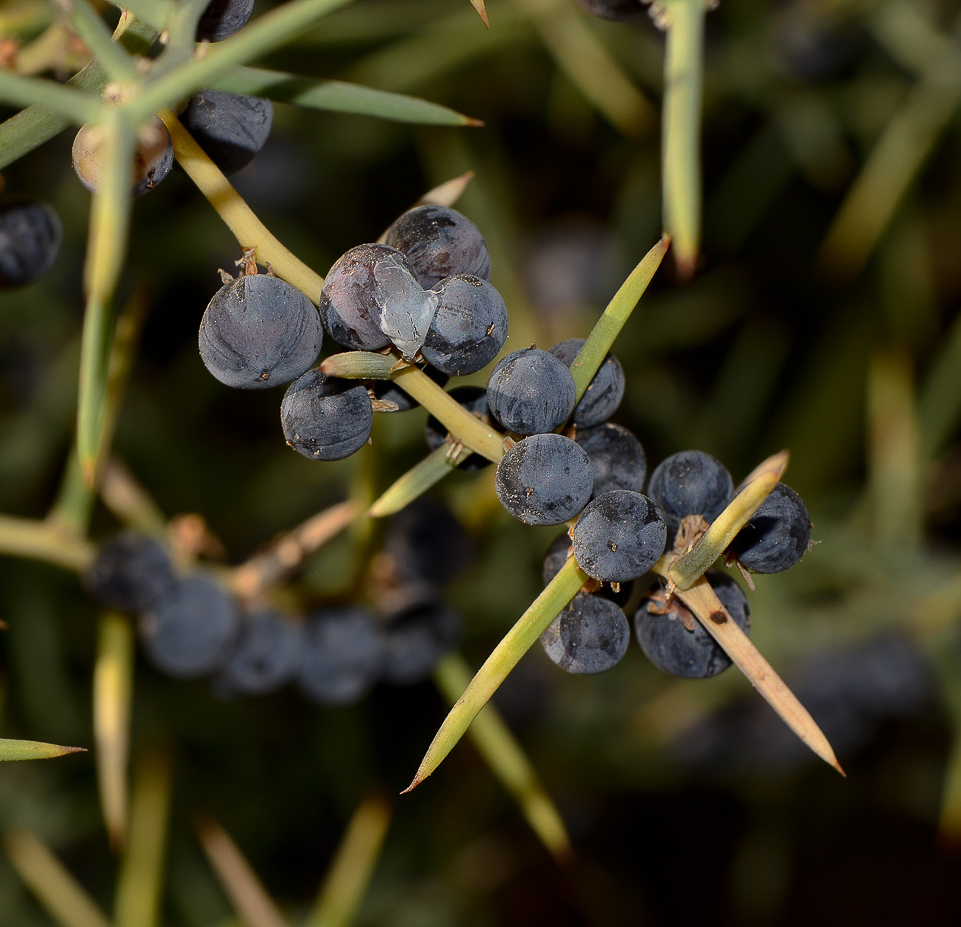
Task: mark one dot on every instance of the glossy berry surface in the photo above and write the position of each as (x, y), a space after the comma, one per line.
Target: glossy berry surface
(130, 573)
(30, 236)
(616, 455)
(474, 400)
(589, 636)
(259, 331)
(153, 156)
(690, 483)
(326, 418)
(348, 301)
(439, 242)
(189, 631)
(342, 657)
(670, 646)
(222, 18)
(531, 392)
(605, 391)
(777, 535)
(469, 327)
(619, 536)
(545, 479)
(415, 638)
(265, 655)
(231, 128)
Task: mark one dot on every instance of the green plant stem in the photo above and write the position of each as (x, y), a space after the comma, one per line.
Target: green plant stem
(504, 657)
(45, 541)
(708, 609)
(468, 429)
(503, 754)
(57, 890)
(258, 37)
(681, 156)
(416, 481)
(88, 25)
(605, 331)
(353, 865)
(70, 104)
(359, 365)
(249, 231)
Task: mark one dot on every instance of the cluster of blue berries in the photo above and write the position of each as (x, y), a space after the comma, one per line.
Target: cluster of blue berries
(191, 627)
(231, 128)
(617, 542)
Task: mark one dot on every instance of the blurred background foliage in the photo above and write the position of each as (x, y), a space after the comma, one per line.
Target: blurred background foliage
(822, 318)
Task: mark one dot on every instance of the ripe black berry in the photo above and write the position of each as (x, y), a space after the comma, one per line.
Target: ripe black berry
(693, 654)
(259, 331)
(342, 657)
(326, 418)
(589, 636)
(616, 455)
(531, 392)
(619, 536)
(222, 18)
(189, 631)
(130, 573)
(605, 391)
(439, 242)
(777, 535)
(469, 326)
(231, 128)
(690, 483)
(265, 655)
(30, 236)
(545, 479)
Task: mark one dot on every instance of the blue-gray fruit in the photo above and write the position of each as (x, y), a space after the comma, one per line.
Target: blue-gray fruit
(326, 418)
(619, 536)
(530, 391)
(545, 479)
(589, 636)
(259, 331)
(30, 236)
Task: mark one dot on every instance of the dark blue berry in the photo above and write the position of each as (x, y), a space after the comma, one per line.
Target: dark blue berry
(343, 655)
(348, 301)
(589, 636)
(427, 544)
(619, 536)
(30, 236)
(545, 479)
(557, 555)
(259, 331)
(469, 327)
(231, 128)
(189, 631)
(439, 242)
(777, 535)
(693, 654)
(616, 455)
(222, 18)
(326, 418)
(690, 483)
(531, 392)
(603, 394)
(265, 655)
(416, 637)
(130, 573)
